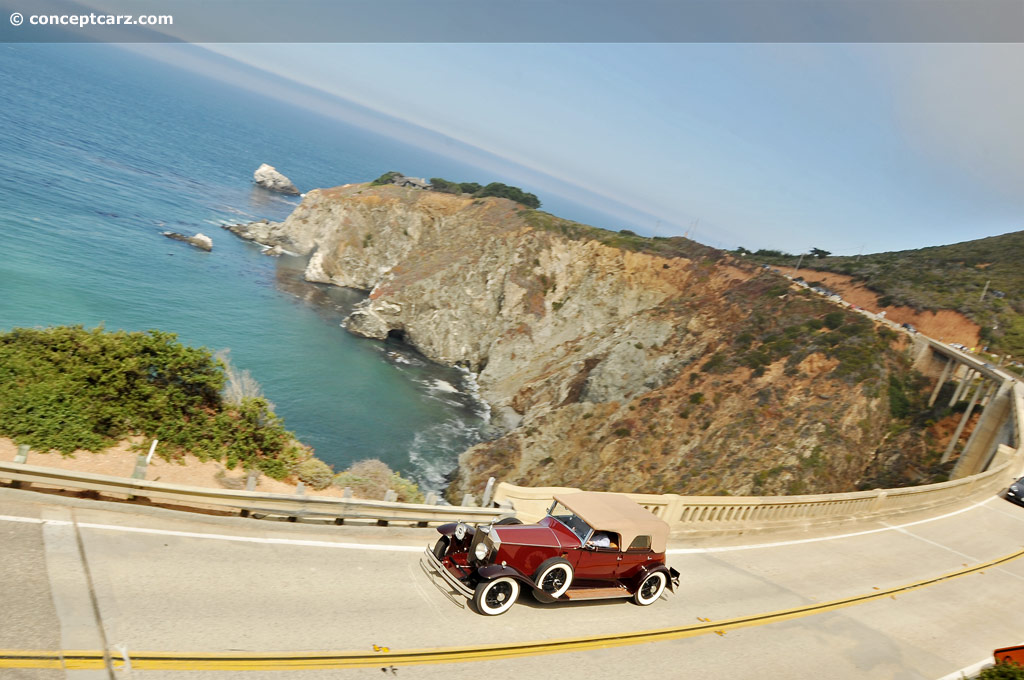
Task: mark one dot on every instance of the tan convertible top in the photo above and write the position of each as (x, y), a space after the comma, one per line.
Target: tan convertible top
(618, 514)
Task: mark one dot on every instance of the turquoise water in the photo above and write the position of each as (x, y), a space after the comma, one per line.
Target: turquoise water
(102, 150)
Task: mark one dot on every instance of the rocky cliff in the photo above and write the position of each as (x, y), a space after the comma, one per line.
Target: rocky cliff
(610, 361)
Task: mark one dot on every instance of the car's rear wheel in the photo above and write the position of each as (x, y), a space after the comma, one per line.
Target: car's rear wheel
(554, 576)
(441, 547)
(650, 588)
(497, 596)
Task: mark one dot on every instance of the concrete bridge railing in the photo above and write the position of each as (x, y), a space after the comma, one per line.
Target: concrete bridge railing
(708, 515)
(720, 514)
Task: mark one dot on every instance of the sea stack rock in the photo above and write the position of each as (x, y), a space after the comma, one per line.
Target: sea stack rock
(271, 180)
(201, 241)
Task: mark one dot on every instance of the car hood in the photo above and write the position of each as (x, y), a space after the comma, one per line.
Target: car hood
(529, 534)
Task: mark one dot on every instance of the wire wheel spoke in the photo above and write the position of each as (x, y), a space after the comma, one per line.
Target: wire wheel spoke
(499, 594)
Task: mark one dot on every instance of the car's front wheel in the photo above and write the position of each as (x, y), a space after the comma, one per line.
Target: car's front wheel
(650, 588)
(497, 596)
(554, 576)
(441, 547)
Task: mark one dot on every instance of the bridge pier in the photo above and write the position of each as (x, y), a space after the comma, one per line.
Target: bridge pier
(963, 422)
(988, 434)
(962, 387)
(947, 369)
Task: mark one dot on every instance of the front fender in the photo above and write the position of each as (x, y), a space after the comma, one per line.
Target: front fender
(449, 529)
(493, 571)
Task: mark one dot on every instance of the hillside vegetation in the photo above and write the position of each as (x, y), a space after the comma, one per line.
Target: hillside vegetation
(69, 388)
(944, 277)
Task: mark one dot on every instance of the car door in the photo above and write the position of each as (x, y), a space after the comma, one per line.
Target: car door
(635, 555)
(598, 564)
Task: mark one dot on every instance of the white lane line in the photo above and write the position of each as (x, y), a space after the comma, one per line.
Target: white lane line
(219, 537)
(1018, 515)
(409, 548)
(779, 544)
(903, 531)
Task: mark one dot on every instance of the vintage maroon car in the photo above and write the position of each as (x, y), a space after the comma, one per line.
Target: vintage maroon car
(590, 546)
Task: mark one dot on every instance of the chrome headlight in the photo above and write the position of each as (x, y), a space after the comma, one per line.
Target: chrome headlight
(460, 531)
(482, 549)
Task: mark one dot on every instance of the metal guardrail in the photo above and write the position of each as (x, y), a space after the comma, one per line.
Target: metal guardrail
(292, 507)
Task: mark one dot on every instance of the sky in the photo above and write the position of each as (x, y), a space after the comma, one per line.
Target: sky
(847, 147)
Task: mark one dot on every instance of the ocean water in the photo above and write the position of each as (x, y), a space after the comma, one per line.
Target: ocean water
(101, 151)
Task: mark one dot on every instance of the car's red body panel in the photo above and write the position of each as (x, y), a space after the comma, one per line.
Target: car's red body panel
(532, 535)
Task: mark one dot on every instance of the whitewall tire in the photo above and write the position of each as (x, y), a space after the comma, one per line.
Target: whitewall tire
(554, 577)
(497, 596)
(651, 588)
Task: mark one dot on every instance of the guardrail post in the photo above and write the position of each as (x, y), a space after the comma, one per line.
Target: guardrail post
(485, 501)
(21, 457)
(251, 480)
(300, 490)
(391, 496)
(346, 493)
(467, 500)
(880, 497)
(142, 462)
(431, 499)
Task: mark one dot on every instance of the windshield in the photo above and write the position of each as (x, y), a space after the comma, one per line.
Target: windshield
(570, 521)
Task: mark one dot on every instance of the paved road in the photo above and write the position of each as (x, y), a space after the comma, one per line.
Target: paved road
(85, 575)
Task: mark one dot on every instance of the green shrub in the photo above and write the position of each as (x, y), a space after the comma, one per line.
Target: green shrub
(834, 319)
(371, 479)
(444, 186)
(899, 403)
(697, 398)
(315, 473)
(68, 388)
(513, 193)
(1003, 671)
(385, 178)
(716, 362)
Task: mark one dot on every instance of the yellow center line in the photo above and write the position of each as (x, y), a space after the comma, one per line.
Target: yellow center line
(256, 661)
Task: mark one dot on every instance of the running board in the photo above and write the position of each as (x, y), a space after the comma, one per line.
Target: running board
(596, 593)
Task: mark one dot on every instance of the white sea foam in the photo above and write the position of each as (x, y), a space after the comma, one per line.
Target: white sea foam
(472, 388)
(442, 386)
(431, 451)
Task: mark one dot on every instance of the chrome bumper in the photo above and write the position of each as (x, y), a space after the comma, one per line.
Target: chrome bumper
(435, 565)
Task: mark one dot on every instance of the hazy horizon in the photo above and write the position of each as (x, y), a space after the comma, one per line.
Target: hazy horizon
(850, 148)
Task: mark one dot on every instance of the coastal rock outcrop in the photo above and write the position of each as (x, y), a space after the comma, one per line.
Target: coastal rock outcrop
(270, 179)
(201, 241)
(610, 361)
